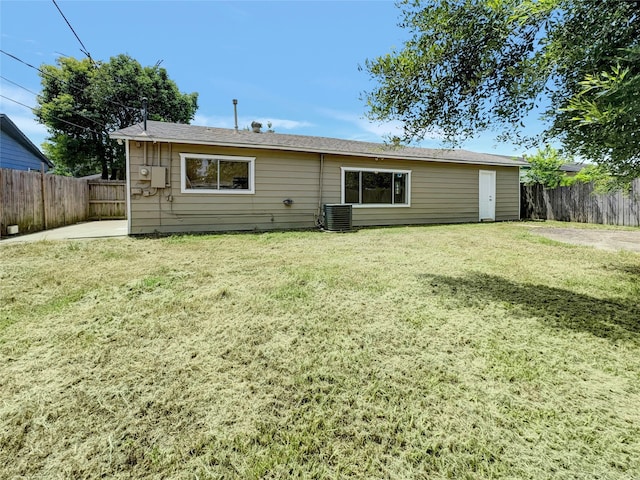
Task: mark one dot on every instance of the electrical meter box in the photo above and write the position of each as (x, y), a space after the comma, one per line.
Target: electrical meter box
(158, 177)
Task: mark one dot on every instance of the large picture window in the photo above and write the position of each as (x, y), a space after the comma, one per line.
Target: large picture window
(216, 173)
(376, 187)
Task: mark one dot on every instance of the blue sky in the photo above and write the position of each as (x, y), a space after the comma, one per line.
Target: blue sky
(293, 63)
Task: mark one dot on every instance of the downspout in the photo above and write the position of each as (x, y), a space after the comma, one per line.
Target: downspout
(319, 214)
(159, 195)
(170, 196)
(128, 193)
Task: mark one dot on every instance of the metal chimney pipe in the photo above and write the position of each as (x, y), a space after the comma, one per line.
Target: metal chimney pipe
(235, 113)
(144, 112)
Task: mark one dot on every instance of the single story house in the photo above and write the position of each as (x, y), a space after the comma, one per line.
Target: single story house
(17, 151)
(186, 178)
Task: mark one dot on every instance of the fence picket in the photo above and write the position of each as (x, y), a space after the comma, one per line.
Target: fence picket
(36, 201)
(579, 203)
(107, 199)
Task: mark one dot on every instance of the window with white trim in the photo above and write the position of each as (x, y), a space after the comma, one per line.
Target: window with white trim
(220, 174)
(376, 187)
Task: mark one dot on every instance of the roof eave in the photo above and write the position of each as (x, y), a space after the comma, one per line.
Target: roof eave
(384, 155)
(12, 128)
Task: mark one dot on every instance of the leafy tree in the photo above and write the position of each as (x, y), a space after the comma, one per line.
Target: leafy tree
(474, 65)
(598, 175)
(545, 168)
(602, 121)
(82, 102)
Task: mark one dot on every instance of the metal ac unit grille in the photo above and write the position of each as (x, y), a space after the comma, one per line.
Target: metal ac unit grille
(337, 217)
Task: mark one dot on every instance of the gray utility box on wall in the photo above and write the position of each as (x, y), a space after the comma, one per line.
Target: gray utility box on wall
(337, 217)
(158, 177)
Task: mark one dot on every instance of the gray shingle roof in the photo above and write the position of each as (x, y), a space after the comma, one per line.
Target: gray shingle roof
(182, 133)
(572, 167)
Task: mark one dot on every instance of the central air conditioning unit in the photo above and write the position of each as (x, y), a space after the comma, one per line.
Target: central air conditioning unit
(337, 217)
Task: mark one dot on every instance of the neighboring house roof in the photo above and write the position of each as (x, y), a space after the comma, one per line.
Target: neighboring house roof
(567, 167)
(572, 167)
(10, 128)
(182, 133)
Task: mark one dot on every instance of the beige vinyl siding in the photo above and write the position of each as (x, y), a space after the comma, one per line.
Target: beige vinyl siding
(507, 194)
(278, 175)
(440, 192)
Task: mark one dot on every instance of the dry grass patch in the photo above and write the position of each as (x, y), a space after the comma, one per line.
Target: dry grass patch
(468, 351)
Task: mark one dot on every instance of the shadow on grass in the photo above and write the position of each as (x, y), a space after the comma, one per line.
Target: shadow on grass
(630, 270)
(613, 319)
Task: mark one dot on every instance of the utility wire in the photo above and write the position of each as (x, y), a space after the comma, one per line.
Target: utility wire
(36, 94)
(118, 104)
(84, 49)
(57, 118)
(66, 83)
(22, 61)
(18, 85)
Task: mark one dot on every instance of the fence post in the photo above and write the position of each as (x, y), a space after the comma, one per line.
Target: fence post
(42, 193)
(580, 203)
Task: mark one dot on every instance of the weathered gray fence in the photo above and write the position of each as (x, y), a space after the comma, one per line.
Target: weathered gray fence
(107, 199)
(580, 203)
(35, 201)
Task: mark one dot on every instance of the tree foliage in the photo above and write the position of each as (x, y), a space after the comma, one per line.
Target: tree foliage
(82, 102)
(545, 168)
(602, 121)
(474, 65)
(598, 175)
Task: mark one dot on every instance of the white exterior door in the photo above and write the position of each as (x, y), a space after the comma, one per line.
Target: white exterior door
(487, 195)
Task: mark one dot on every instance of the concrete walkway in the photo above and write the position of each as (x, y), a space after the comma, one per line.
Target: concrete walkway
(102, 229)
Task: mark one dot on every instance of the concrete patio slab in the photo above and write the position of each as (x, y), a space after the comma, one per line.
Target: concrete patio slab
(101, 229)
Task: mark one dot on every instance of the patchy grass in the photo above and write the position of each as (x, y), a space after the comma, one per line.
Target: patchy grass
(465, 351)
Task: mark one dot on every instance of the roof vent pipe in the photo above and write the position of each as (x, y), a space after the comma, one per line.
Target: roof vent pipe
(144, 112)
(235, 113)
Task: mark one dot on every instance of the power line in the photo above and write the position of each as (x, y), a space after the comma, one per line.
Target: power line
(36, 94)
(57, 118)
(18, 85)
(118, 104)
(22, 61)
(66, 83)
(84, 49)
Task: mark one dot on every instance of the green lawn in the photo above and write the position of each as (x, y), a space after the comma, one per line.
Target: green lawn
(463, 351)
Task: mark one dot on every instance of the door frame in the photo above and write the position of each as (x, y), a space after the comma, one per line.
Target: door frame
(488, 196)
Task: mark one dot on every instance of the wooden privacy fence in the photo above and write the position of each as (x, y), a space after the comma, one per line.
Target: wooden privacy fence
(107, 199)
(580, 203)
(35, 201)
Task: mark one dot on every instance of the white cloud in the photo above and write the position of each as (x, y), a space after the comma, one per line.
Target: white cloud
(385, 129)
(368, 130)
(227, 122)
(18, 95)
(277, 123)
(29, 126)
(212, 121)
(21, 115)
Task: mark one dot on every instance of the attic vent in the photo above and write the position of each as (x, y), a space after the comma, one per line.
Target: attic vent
(337, 217)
